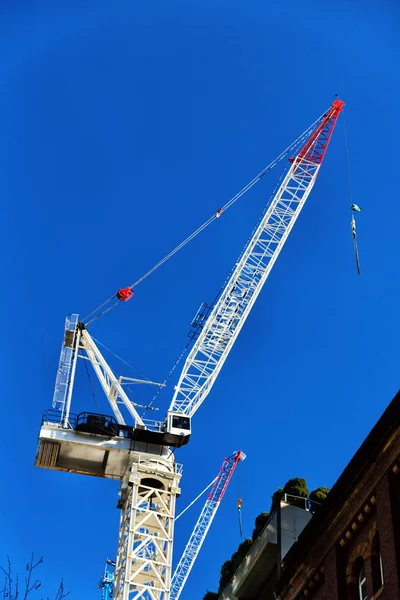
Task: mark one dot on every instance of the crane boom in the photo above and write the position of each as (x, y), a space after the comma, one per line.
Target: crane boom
(203, 524)
(229, 313)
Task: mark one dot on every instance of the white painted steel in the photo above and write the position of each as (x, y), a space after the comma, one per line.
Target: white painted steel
(226, 319)
(72, 376)
(193, 548)
(78, 452)
(144, 558)
(95, 455)
(112, 386)
(64, 367)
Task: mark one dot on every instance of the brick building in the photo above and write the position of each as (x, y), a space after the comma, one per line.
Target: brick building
(350, 549)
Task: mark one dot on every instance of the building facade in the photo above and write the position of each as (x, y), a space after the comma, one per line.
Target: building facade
(350, 548)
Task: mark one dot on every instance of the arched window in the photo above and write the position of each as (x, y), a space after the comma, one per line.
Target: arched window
(356, 578)
(362, 582)
(376, 563)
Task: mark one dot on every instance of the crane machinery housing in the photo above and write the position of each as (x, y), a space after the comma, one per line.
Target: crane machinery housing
(138, 452)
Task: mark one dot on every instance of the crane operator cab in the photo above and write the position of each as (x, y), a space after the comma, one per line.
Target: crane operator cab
(177, 429)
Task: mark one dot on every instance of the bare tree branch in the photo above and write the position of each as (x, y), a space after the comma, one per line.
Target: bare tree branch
(11, 589)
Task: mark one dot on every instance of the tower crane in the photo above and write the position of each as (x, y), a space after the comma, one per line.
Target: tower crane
(192, 548)
(203, 524)
(106, 584)
(139, 454)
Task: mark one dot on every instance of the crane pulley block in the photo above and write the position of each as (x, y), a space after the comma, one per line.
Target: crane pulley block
(125, 294)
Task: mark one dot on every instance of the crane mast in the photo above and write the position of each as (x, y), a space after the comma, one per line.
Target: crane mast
(231, 310)
(139, 455)
(203, 524)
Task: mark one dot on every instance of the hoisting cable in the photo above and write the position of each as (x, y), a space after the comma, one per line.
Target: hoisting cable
(125, 294)
(149, 407)
(119, 358)
(217, 214)
(99, 307)
(195, 500)
(161, 385)
(104, 311)
(353, 207)
(166, 379)
(91, 387)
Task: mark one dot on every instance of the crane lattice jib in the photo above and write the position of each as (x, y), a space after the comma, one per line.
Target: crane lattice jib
(226, 319)
(202, 526)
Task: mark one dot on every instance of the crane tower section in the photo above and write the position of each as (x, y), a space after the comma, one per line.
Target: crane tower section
(226, 319)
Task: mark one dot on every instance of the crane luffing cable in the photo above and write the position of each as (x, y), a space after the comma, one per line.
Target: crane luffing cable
(212, 304)
(119, 358)
(195, 500)
(164, 383)
(124, 294)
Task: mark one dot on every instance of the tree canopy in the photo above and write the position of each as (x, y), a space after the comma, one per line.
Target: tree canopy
(296, 487)
(259, 524)
(318, 496)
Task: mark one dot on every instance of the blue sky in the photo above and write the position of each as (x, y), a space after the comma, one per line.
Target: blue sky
(125, 125)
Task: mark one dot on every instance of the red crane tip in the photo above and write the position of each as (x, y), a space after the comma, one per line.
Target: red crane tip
(338, 104)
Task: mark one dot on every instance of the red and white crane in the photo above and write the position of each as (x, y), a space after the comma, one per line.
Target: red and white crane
(203, 524)
(138, 452)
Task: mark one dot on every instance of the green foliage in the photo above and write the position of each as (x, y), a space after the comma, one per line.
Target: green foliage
(259, 524)
(318, 495)
(296, 487)
(240, 553)
(211, 596)
(276, 496)
(227, 573)
(229, 567)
